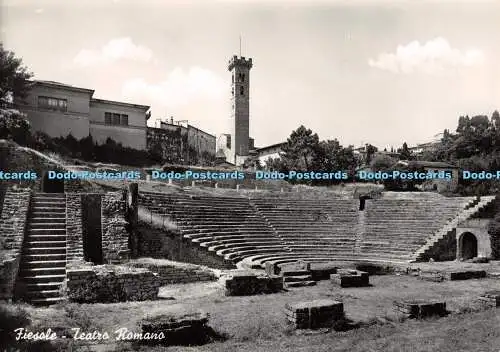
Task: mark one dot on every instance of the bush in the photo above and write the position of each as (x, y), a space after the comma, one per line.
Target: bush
(15, 126)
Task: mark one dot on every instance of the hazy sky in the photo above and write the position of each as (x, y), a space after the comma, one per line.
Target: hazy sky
(382, 72)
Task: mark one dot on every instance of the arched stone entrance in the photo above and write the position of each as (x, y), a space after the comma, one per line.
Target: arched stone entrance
(51, 185)
(468, 246)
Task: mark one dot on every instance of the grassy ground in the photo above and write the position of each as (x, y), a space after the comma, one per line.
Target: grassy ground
(256, 323)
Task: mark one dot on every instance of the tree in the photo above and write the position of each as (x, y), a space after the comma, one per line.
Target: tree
(14, 126)
(14, 77)
(404, 152)
(252, 162)
(382, 163)
(275, 164)
(301, 150)
(333, 156)
(370, 151)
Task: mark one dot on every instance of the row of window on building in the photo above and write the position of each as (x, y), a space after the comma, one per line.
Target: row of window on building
(115, 119)
(57, 104)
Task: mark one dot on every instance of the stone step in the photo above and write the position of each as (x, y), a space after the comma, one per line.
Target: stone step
(47, 202)
(46, 225)
(54, 220)
(297, 278)
(45, 250)
(43, 271)
(46, 232)
(49, 198)
(44, 257)
(49, 264)
(48, 214)
(300, 284)
(294, 273)
(42, 294)
(47, 301)
(43, 237)
(43, 244)
(36, 279)
(38, 209)
(48, 194)
(40, 286)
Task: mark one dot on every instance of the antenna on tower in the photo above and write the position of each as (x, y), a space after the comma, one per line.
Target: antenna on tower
(240, 45)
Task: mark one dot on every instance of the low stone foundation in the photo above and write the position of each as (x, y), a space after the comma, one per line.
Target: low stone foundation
(110, 283)
(420, 308)
(170, 272)
(375, 269)
(242, 283)
(322, 313)
(350, 278)
(491, 298)
(177, 329)
(322, 271)
(438, 276)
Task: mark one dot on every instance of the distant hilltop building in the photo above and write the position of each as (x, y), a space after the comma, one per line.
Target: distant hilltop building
(59, 109)
(270, 152)
(180, 142)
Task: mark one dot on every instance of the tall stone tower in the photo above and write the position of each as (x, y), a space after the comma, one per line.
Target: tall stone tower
(240, 106)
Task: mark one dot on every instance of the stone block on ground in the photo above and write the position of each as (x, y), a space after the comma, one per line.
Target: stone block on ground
(491, 298)
(314, 314)
(438, 276)
(322, 271)
(244, 283)
(466, 274)
(433, 276)
(350, 278)
(177, 329)
(420, 308)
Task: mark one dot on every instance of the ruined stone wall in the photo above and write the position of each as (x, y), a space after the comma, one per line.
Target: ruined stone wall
(176, 273)
(74, 228)
(12, 228)
(115, 237)
(170, 245)
(495, 246)
(110, 283)
(3, 189)
(91, 220)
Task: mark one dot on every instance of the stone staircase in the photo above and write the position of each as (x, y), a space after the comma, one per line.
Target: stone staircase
(450, 226)
(43, 261)
(297, 278)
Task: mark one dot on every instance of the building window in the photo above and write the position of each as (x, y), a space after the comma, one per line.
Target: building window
(242, 90)
(241, 77)
(55, 104)
(107, 118)
(115, 119)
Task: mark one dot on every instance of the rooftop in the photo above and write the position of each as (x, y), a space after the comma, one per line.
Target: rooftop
(55, 84)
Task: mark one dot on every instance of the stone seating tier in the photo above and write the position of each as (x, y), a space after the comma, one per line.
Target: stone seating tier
(238, 228)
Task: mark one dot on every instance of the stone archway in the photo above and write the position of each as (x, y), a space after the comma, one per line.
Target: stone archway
(468, 246)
